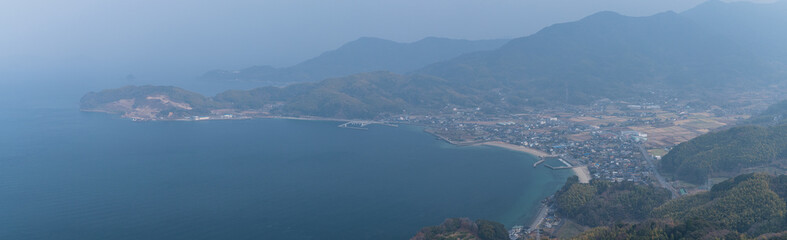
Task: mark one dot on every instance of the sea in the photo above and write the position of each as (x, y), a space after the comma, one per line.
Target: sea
(66, 174)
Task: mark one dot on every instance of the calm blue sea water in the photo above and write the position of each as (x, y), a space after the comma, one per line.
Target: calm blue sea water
(71, 175)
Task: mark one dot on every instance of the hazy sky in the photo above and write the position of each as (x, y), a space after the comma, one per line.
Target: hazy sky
(191, 34)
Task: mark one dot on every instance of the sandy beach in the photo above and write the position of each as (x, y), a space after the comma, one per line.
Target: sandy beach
(518, 148)
(582, 171)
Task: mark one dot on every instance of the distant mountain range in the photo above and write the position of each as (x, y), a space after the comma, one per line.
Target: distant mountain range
(759, 27)
(605, 55)
(363, 55)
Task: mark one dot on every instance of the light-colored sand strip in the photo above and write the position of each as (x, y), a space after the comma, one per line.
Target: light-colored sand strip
(518, 148)
(583, 173)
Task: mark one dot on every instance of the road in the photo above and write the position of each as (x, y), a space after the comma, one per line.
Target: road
(542, 213)
(656, 173)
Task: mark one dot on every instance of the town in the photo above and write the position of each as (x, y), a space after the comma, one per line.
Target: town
(614, 140)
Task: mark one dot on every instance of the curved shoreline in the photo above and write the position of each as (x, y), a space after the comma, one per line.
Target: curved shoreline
(582, 172)
(531, 151)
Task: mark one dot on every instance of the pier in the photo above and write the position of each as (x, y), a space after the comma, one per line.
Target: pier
(540, 161)
(566, 164)
(557, 168)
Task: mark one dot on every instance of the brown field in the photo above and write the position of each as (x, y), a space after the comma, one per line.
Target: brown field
(657, 152)
(684, 130)
(487, 123)
(660, 137)
(666, 115)
(580, 137)
(594, 121)
(699, 123)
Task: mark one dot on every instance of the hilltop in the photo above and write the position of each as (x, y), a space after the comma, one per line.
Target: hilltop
(148, 102)
(756, 26)
(365, 54)
(608, 55)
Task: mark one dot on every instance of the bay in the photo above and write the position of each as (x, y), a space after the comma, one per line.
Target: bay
(66, 174)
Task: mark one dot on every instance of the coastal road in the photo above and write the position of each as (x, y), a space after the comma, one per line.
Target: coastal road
(656, 173)
(542, 213)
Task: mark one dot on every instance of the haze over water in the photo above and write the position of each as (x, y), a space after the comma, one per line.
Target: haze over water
(71, 175)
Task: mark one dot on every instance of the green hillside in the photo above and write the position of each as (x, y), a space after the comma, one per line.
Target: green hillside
(602, 203)
(726, 152)
(751, 205)
(747, 203)
(745, 207)
(359, 96)
(463, 229)
(157, 99)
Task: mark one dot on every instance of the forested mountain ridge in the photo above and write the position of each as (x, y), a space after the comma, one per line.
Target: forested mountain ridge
(362, 55)
(744, 207)
(747, 206)
(757, 26)
(741, 203)
(602, 203)
(605, 55)
(463, 229)
(726, 152)
(359, 96)
(757, 143)
(608, 55)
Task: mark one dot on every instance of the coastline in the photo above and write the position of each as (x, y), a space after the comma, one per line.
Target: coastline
(218, 118)
(531, 151)
(582, 172)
